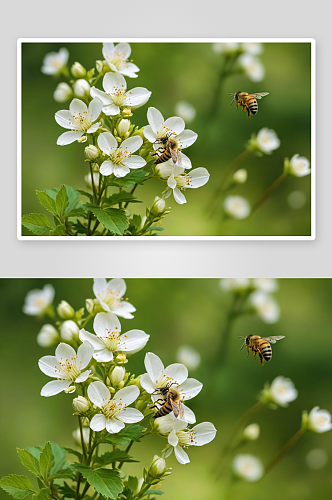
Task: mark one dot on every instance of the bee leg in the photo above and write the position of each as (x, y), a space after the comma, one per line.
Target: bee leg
(248, 111)
(261, 358)
(243, 109)
(247, 351)
(255, 354)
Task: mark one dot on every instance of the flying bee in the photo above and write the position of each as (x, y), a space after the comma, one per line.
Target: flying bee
(172, 403)
(169, 149)
(260, 345)
(248, 101)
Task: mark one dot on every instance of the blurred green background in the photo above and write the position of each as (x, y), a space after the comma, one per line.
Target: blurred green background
(185, 71)
(176, 312)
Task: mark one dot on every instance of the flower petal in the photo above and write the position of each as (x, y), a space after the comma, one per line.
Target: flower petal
(190, 388)
(127, 395)
(107, 142)
(155, 119)
(175, 124)
(98, 423)
(188, 415)
(197, 177)
(114, 83)
(154, 366)
(95, 108)
(117, 285)
(68, 138)
(124, 49)
(123, 309)
(131, 144)
(179, 196)
(121, 170)
(186, 138)
(106, 321)
(50, 366)
(185, 161)
(134, 161)
(106, 168)
(114, 425)
(77, 106)
(133, 341)
(54, 387)
(83, 376)
(137, 97)
(103, 356)
(93, 128)
(98, 285)
(171, 182)
(203, 433)
(177, 372)
(93, 339)
(64, 351)
(84, 354)
(172, 438)
(65, 119)
(98, 393)
(147, 383)
(105, 99)
(181, 455)
(107, 49)
(130, 415)
(149, 134)
(129, 70)
(111, 110)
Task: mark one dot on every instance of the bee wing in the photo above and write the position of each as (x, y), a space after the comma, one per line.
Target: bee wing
(174, 155)
(274, 339)
(181, 412)
(179, 159)
(175, 408)
(259, 95)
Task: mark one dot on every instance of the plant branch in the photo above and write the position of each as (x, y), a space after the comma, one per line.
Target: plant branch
(285, 449)
(269, 192)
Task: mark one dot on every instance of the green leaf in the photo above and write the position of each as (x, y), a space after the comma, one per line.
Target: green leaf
(46, 201)
(123, 197)
(66, 491)
(79, 227)
(131, 483)
(74, 452)
(131, 432)
(36, 223)
(44, 494)
(46, 460)
(72, 198)
(114, 219)
(35, 451)
(85, 193)
(154, 228)
(17, 486)
(61, 201)
(134, 177)
(136, 221)
(59, 454)
(153, 492)
(29, 461)
(107, 482)
(114, 456)
(63, 473)
(76, 212)
(60, 230)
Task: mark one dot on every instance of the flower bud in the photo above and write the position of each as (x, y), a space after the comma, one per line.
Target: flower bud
(89, 305)
(63, 92)
(240, 176)
(251, 432)
(77, 70)
(317, 420)
(297, 166)
(127, 112)
(88, 180)
(82, 139)
(81, 88)
(77, 436)
(65, 310)
(265, 142)
(81, 404)
(121, 359)
(158, 207)
(281, 392)
(91, 152)
(69, 330)
(70, 389)
(48, 336)
(157, 467)
(123, 128)
(117, 375)
(100, 66)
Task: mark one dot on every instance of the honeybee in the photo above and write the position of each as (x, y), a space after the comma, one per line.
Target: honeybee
(248, 101)
(172, 403)
(260, 345)
(169, 149)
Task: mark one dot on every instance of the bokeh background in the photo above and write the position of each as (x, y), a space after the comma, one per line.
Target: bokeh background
(186, 71)
(176, 312)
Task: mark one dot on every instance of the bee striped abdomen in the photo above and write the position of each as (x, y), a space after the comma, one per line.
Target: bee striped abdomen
(164, 410)
(266, 351)
(252, 105)
(166, 155)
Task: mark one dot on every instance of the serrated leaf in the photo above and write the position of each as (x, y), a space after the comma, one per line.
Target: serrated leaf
(76, 212)
(63, 473)
(136, 221)
(153, 492)
(44, 494)
(59, 454)
(131, 432)
(114, 219)
(114, 456)
(36, 223)
(66, 491)
(134, 177)
(85, 193)
(132, 483)
(61, 201)
(107, 482)
(35, 451)
(73, 452)
(17, 486)
(60, 230)
(79, 227)
(154, 228)
(72, 198)
(46, 201)
(29, 461)
(123, 197)
(46, 460)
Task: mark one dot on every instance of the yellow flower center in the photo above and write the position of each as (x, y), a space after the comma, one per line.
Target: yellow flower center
(81, 120)
(69, 369)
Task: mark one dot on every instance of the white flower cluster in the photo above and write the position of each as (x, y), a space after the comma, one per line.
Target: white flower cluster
(246, 57)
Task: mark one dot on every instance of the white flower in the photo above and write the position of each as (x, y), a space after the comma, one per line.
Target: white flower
(268, 285)
(178, 181)
(79, 119)
(116, 97)
(240, 176)
(69, 330)
(48, 336)
(226, 48)
(252, 67)
(108, 338)
(185, 110)
(235, 284)
(115, 412)
(121, 159)
(188, 356)
(237, 207)
(179, 436)
(81, 404)
(175, 376)
(66, 366)
(88, 179)
(116, 57)
(37, 301)
(109, 294)
(317, 459)
(54, 62)
(251, 432)
(298, 166)
(63, 92)
(77, 436)
(248, 467)
(266, 141)
(281, 392)
(81, 88)
(265, 306)
(319, 420)
(172, 127)
(253, 48)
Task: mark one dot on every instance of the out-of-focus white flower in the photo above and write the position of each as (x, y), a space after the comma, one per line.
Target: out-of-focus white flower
(65, 310)
(81, 404)
(66, 366)
(88, 180)
(317, 420)
(253, 48)
(248, 467)
(226, 48)
(115, 412)
(240, 176)
(77, 70)
(121, 159)
(48, 336)
(79, 120)
(63, 92)
(252, 67)
(175, 376)
(109, 295)
(108, 338)
(297, 166)
(179, 181)
(77, 436)
(281, 392)
(54, 62)
(238, 285)
(267, 285)
(117, 56)
(188, 356)
(317, 459)
(265, 306)
(265, 142)
(237, 207)
(81, 88)
(69, 330)
(185, 110)
(37, 301)
(179, 437)
(297, 199)
(251, 432)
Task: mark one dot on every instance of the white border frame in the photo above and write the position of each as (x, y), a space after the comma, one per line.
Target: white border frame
(312, 41)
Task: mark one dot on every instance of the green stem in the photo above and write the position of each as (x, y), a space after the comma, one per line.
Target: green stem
(93, 182)
(87, 320)
(222, 351)
(285, 449)
(82, 440)
(225, 71)
(269, 192)
(127, 449)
